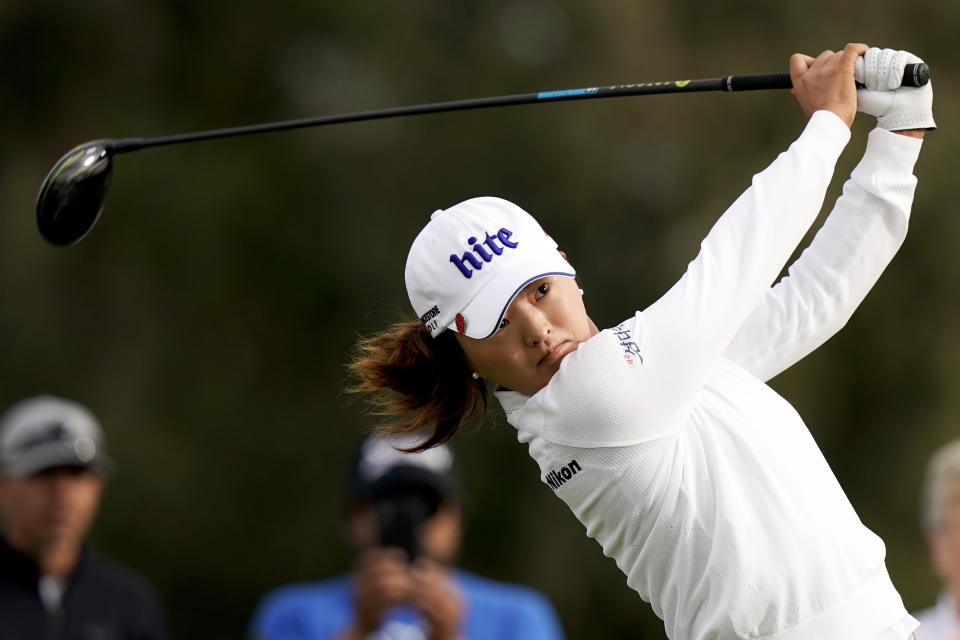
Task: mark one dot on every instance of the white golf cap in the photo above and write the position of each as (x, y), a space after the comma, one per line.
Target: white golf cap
(44, 432)
(471, 260)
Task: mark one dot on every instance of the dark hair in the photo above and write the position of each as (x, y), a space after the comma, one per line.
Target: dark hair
(422, 384)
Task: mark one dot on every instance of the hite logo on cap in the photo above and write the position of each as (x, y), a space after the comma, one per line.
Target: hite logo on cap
(490, 241)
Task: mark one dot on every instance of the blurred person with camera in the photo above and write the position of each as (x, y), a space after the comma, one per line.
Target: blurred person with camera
(941, 522)
(52, 585)
(404, 521)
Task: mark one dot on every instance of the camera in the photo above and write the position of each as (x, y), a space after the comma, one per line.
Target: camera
(401, 512)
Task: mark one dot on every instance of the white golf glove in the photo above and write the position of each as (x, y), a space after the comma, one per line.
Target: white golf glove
(895, 107)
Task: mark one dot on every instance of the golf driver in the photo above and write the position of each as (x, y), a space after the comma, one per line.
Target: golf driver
(72, 195)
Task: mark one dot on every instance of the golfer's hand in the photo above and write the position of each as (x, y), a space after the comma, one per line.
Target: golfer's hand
(827, 81)
(897, 108)
(381, 580)
(437, 599)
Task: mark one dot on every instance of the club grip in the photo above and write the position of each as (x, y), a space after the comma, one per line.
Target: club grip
(915, 74)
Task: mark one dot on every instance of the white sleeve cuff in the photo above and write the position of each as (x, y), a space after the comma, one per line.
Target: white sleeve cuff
(889, 151)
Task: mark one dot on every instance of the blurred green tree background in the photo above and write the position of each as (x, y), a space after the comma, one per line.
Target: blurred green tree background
(208, 318)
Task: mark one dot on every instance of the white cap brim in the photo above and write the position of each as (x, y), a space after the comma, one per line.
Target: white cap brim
(483, 314)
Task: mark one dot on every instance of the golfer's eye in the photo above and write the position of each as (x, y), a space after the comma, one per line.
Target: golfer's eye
(542, 290)
(503, 324)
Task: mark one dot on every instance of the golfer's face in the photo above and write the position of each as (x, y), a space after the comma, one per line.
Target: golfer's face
(543, 325)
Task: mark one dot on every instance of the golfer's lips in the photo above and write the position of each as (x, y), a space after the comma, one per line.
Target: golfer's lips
(557, 353)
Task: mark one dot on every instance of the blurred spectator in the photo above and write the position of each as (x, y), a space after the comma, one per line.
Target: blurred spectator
(403, 519)
(52, 585)
(941, 519)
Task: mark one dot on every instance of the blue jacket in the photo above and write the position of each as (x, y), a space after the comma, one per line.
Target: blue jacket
(322, 610)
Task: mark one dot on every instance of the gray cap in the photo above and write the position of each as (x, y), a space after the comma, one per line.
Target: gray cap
(44, 431)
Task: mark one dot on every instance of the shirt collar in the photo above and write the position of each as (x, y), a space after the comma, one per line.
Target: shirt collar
(511, 401)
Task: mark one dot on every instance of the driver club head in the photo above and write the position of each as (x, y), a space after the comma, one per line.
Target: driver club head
(71, 196)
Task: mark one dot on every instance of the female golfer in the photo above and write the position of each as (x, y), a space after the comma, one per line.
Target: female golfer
(659, 433)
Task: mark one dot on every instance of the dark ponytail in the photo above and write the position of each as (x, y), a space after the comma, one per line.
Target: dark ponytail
(421, 384)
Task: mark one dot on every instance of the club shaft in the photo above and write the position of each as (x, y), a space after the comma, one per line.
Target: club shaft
(915, 75)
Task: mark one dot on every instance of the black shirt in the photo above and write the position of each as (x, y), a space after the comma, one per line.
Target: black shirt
(101, 601)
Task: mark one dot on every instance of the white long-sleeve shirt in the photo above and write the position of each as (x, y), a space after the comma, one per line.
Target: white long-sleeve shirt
(700, 481)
